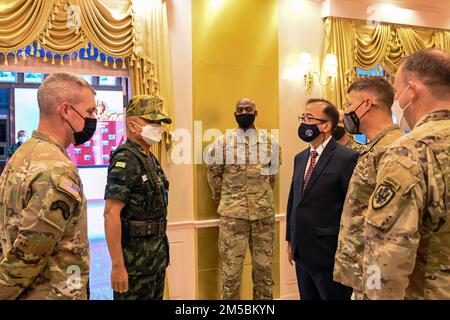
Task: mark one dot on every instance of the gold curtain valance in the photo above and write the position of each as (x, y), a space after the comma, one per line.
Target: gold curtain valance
(112, 26)
(65, 26)
(132, 32)
(110, 31)
(359, 44)
(21, 21)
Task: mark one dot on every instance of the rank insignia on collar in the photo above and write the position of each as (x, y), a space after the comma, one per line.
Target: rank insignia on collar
(383, 195)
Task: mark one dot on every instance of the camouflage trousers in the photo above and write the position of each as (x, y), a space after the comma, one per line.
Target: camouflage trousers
(145, 287)
(357, 294)
(234, 237)
(146, 260)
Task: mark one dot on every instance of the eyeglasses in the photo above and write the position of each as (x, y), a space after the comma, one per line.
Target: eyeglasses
(306, 118)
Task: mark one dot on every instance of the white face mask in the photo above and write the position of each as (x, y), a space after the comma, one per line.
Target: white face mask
(151, 133)
(400, 113)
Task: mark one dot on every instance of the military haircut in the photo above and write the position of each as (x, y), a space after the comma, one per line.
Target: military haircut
(59, 87)
(378, 86)
(330, 111)
(432, 67)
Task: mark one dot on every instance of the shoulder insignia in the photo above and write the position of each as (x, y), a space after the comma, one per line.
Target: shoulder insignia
(383, 195)
(71, 188)
(120, 164)
(63, 206)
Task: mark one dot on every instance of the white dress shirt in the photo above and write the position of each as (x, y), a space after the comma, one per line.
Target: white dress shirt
(319, 151)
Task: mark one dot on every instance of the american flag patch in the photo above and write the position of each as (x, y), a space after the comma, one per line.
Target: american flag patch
(71, 188)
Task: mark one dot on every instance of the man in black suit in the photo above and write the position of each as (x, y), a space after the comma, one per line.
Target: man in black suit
(318, 189)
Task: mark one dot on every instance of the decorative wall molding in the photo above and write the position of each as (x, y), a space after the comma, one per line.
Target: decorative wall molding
(182, 273)
(198, 224)
(288, 277)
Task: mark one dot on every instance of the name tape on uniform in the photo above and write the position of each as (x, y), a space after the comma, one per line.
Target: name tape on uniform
(121, 164)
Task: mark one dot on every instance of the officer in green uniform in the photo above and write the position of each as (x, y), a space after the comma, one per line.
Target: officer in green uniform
(136, 206)
(369, 100)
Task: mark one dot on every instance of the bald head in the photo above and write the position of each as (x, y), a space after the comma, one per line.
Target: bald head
(246, 101)
(245, 105)
(61, 87)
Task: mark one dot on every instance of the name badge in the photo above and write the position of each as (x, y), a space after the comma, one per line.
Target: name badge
(144, 178)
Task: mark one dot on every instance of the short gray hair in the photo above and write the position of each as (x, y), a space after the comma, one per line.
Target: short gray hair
(432, 67)
(59, 87)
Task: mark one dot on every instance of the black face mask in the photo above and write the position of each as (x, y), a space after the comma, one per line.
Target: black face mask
(90, 125)
(308, 132)
(351, 121)
(339, 133)
(246, 120)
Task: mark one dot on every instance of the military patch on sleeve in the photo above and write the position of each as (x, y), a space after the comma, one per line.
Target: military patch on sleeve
(120, 164)
(383, 195)
(69, 187)
(63, 206)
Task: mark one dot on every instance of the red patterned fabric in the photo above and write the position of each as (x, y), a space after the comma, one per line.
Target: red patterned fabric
(312, 164)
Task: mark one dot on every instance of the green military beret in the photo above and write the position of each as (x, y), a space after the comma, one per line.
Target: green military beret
(148, 107)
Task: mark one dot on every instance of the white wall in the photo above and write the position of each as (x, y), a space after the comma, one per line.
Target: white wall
(181, 230)
(180, 31)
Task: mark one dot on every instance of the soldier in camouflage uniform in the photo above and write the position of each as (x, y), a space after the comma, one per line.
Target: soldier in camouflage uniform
(241, 173)
(344, 138)
(374, 96)
(136, 206)
(44, 247)
(407, 232)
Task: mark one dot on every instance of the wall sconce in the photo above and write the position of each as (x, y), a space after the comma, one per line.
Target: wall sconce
(330, 70)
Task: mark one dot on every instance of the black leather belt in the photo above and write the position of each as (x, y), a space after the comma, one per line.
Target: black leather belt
(146, 228)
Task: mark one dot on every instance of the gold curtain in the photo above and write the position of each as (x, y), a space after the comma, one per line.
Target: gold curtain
(21, 21)
(150, 18)
(339, 39)
(357, 44)
(108, 25)
(122, 29)
(152, 71)
(134, 31)
(442, 40)
(72, 24)
(57, 37)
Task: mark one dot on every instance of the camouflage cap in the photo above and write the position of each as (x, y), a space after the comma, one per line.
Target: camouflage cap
(148, 107)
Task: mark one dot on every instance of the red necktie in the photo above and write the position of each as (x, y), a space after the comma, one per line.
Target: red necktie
(312, 164)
